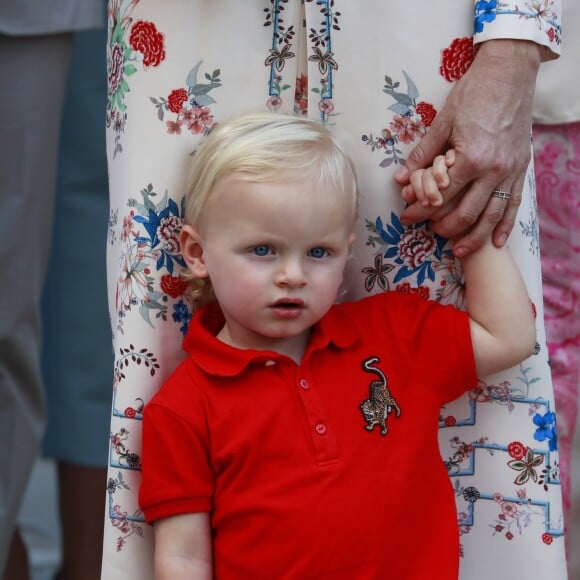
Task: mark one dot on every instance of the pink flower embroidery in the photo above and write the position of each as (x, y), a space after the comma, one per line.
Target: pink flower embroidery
(416, 246)
(274, 103)
(174, 127)
(168, 233)
(406, 129)
(115, 67)
(326, 106)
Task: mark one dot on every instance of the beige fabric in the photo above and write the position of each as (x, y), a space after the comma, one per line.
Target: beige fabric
(378, 69)
(557, 98)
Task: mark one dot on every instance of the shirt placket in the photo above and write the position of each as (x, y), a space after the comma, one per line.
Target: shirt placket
(321, 431)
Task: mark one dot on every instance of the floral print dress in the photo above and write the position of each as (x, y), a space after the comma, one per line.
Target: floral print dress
(376, 72)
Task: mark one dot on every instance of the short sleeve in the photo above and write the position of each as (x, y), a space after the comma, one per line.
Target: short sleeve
(430, 340)
(538, 22)
(176, 473)
(442, 339)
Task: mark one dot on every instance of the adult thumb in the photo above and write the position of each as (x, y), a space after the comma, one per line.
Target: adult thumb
(422, 155)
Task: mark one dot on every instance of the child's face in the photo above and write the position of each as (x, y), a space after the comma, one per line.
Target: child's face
(275, 254)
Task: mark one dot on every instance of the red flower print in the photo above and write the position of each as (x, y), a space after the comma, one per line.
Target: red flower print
(547, 538)
(301, 86)
(406, 129)
(457, 58)
(176, 99)
(146, 39)
(174, 286)
(427, 112)
(551, 36)
(450, 421)
(498, 528)
(406, 288)
(509, 535)
(300, 94)
(516, 449)
(130, 412)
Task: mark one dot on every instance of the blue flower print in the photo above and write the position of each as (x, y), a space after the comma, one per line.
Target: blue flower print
(484, 12)
(163, 229)
(182, 314)
(546, 429)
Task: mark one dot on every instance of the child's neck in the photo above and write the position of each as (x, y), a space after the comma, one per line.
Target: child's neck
(293, 347)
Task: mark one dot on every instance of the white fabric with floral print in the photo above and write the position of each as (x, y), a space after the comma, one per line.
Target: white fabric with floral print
(376, 72)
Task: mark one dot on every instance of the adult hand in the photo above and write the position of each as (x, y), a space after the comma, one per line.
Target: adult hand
(487, 119)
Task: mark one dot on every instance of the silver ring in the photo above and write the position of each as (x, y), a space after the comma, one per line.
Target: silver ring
(500, 193)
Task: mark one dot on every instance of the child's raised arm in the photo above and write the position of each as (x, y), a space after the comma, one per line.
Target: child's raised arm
(502, 324)
(183, 548)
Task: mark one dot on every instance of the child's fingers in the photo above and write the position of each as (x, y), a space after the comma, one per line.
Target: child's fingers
(417, 180)
(431, 187)
(408, 194)
(440, 171)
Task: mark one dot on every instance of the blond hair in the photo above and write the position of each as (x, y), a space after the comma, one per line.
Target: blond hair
(264, 147)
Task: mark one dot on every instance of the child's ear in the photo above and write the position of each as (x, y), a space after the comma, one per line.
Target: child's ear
(192, 251)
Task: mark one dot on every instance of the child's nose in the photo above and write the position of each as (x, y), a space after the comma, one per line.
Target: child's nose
(291, 273)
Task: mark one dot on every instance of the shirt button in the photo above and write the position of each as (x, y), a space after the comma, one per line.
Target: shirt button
(320, 428)
(304, 384)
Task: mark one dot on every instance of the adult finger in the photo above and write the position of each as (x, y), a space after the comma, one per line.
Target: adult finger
(503, 229)
(487, 222)
(431, 144)
(456, 218)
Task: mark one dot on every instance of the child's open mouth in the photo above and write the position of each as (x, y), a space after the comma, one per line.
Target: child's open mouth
(288, 308)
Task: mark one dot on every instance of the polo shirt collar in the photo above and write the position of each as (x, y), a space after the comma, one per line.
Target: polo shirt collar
(219, 359)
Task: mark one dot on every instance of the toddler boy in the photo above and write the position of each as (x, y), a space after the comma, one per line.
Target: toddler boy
(299, 437)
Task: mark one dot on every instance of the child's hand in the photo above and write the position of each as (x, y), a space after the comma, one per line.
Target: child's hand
(426, 184)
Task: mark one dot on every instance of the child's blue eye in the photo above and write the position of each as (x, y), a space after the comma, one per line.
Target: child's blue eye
(262, 250)
(318, 253)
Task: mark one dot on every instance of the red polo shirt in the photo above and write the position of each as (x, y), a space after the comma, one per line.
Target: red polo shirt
(297, 482)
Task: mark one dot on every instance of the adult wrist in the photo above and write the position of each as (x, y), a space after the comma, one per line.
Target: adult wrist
(518, 52)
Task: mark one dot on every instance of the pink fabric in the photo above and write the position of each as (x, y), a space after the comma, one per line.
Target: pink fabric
(557, 163)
